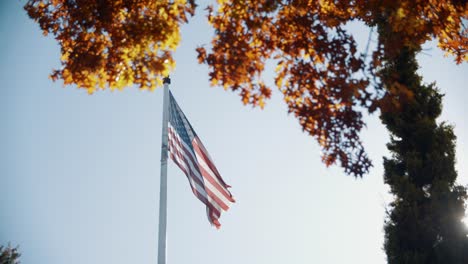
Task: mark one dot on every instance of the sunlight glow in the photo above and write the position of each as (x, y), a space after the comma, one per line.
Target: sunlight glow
(465, 220)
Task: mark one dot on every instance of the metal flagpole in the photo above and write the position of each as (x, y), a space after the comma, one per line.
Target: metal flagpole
(163, 183)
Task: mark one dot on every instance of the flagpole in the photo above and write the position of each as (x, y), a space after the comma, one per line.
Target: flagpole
(163, 181)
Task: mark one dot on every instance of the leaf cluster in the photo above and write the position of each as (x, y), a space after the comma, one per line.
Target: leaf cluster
(319, 71)
(115, 43)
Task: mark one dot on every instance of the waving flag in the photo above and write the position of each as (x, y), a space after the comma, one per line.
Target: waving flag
(187, 151)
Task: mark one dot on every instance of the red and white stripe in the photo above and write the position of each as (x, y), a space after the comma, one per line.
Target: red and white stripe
(204, 178)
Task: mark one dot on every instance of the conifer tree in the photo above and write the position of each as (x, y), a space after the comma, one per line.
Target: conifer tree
(9, 255)
(424, 222)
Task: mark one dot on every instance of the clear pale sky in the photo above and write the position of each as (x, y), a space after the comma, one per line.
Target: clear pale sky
(79, 174)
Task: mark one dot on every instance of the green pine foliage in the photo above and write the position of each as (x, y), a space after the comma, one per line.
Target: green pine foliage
(9, 255)
(423, 222)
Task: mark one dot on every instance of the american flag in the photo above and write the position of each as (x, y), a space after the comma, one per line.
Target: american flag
(187, 151)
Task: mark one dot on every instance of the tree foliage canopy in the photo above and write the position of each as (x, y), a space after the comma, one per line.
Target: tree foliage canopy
(323, 77)
(319, 69)
(113, 43)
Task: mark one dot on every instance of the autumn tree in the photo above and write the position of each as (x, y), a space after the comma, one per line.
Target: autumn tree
(319, 69)
(113, 43)
(326, 82)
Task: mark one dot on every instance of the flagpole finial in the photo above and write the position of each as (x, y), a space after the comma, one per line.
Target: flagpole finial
(167, 80)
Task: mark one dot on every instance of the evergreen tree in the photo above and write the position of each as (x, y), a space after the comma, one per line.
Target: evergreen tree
(424, 222)
(9, 255)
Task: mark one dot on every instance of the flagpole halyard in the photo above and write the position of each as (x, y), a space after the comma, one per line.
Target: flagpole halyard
(163, 181)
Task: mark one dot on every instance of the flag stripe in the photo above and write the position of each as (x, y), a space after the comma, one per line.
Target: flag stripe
(202, 166)
(222, 192)
(191, 170)
(206, 157)
(197, 190)
(212, 208)
(195, 183)
(209, 174)
(206, 192)
(194, 179)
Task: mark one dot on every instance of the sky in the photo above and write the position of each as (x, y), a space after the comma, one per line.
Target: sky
(79, 173)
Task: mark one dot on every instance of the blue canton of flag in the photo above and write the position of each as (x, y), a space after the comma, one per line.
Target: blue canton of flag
(187, 151)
